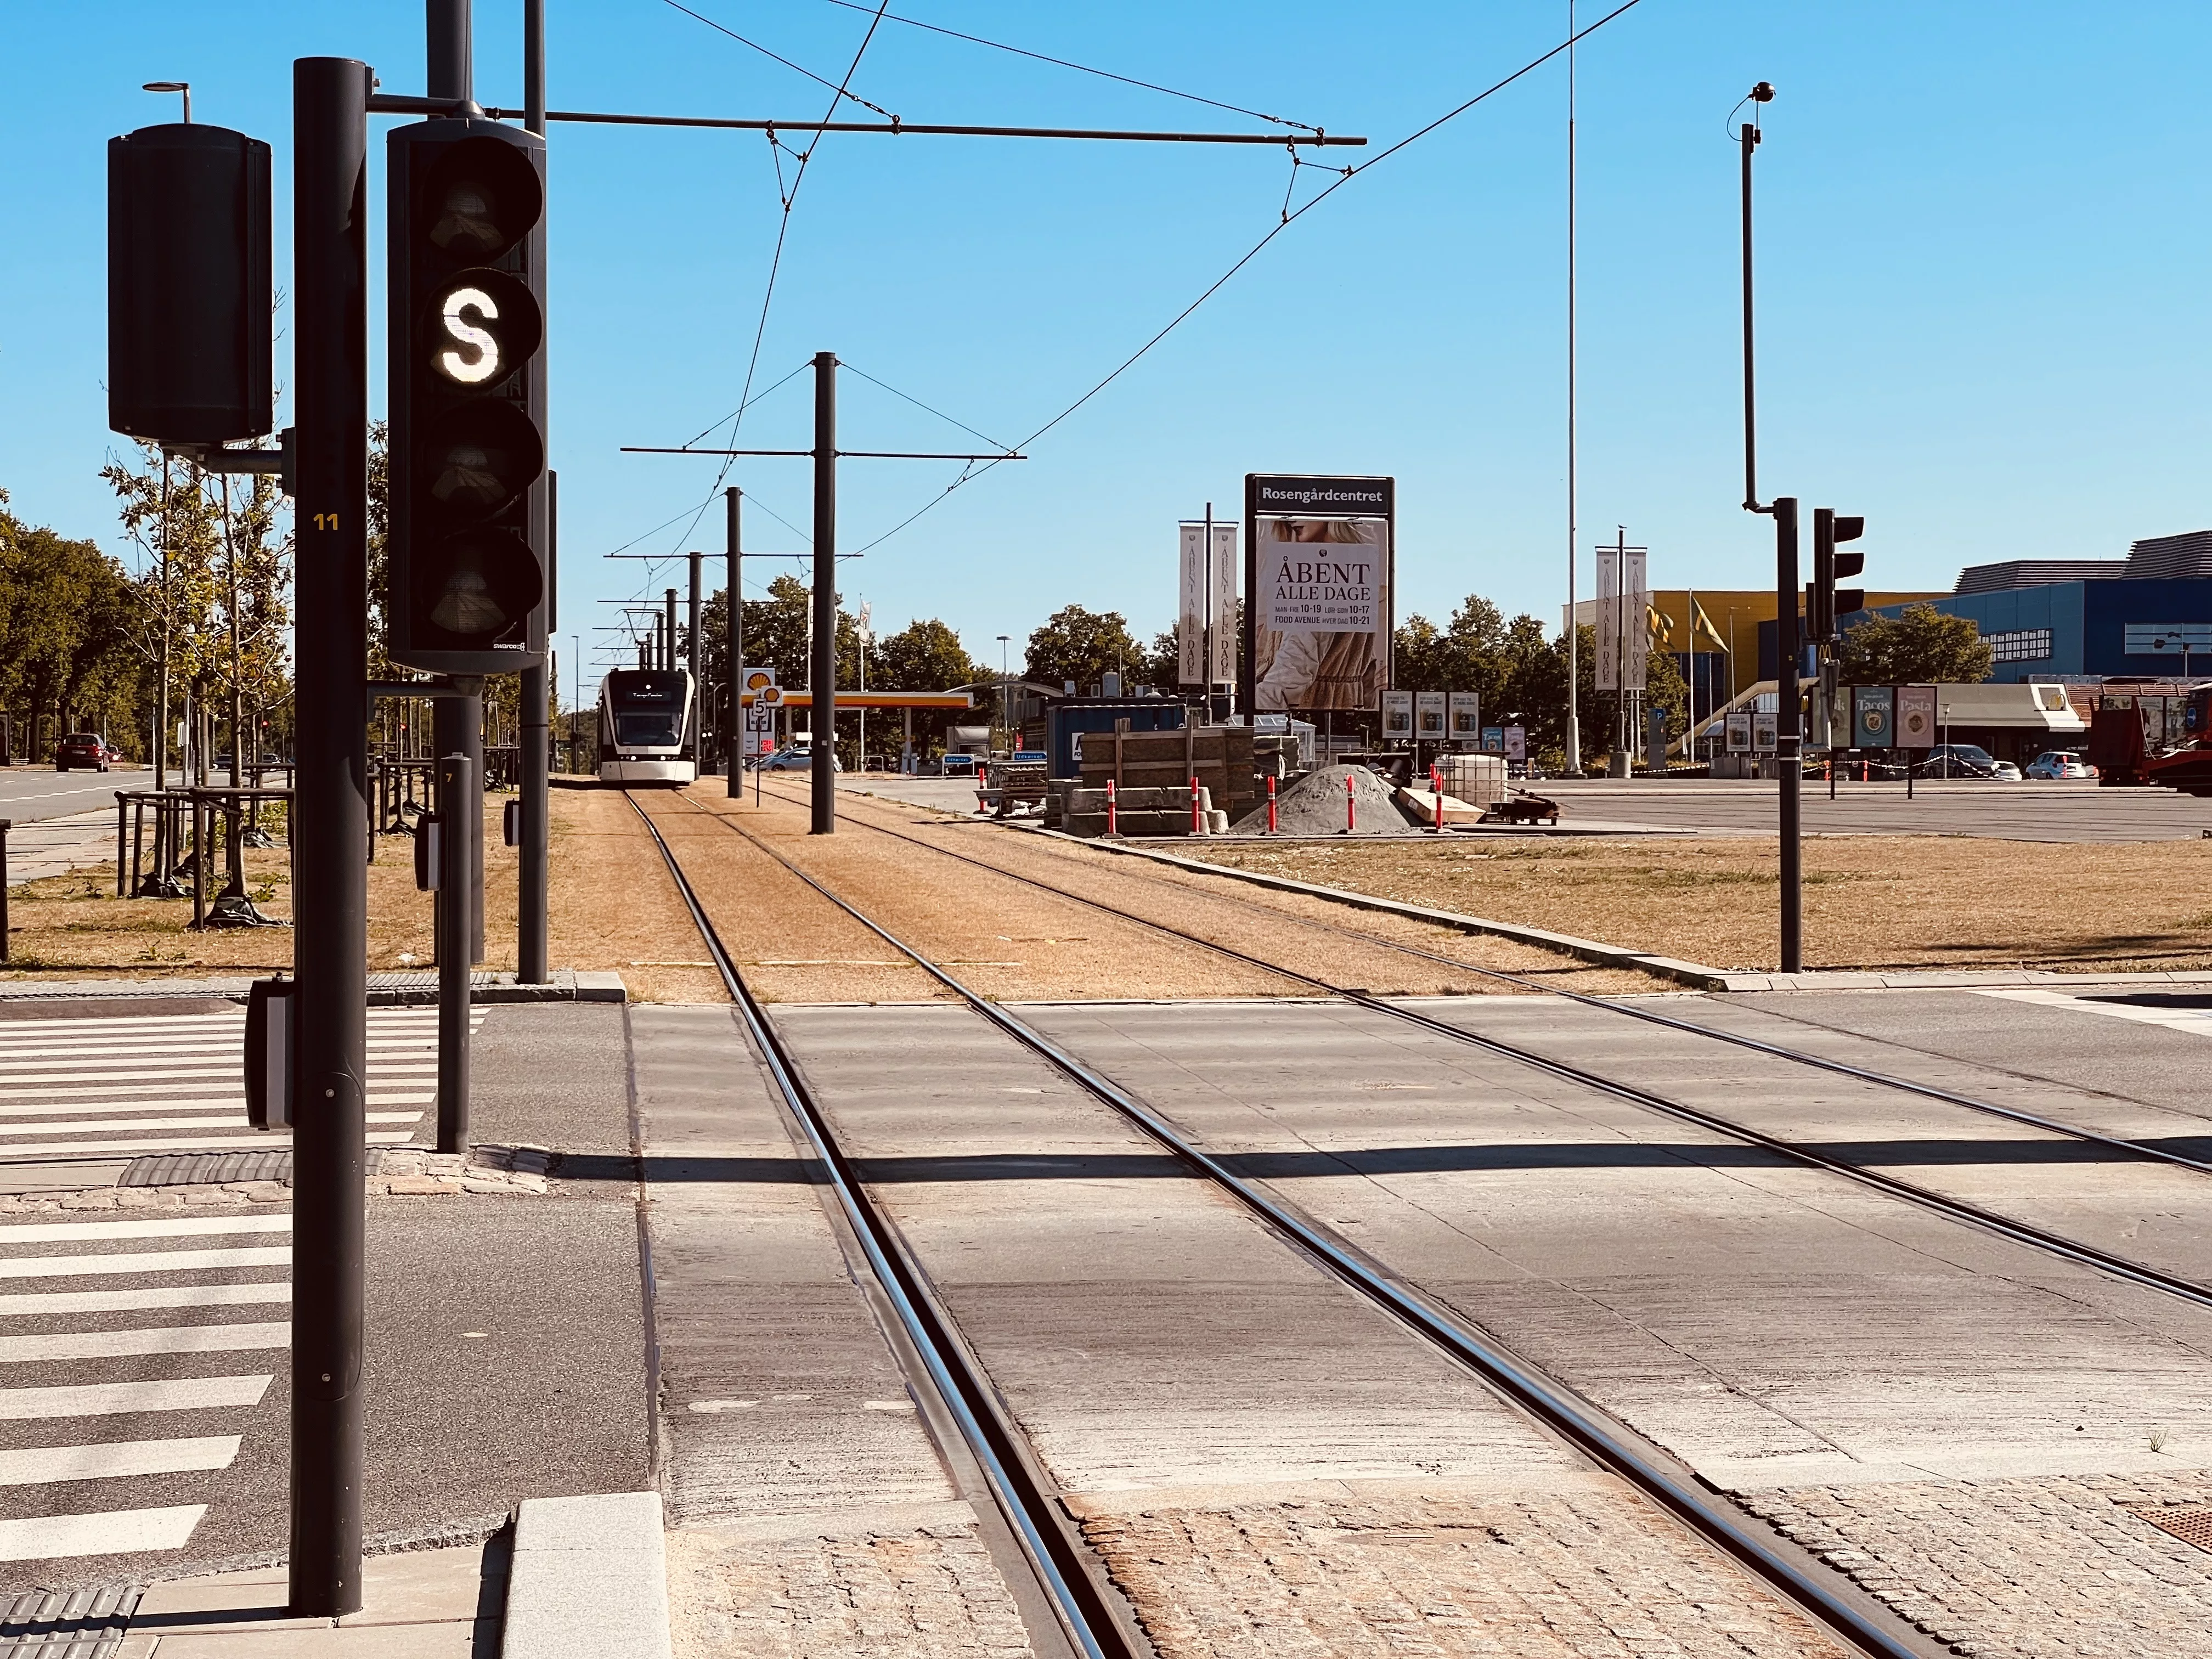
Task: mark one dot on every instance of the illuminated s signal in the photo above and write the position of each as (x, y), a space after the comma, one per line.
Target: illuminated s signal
(485, 360)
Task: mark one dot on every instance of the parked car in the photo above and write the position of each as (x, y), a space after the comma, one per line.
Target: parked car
(799, 758)
(80, 750)
(1961, 760)
(2060, 763)
(2006, 771)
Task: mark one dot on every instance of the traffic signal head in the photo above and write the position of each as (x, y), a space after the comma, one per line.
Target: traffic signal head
(1826, 603)
(465, 555)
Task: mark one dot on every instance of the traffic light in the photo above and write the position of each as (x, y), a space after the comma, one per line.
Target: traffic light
(465, 553)
(1825, 602)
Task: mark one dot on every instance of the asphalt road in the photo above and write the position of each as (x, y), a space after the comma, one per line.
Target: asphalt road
(28, 793)
(2003, 812)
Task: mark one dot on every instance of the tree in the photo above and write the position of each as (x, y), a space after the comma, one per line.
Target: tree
(1923, 645)
(66, 614)
(923, 656)
(1082, 645)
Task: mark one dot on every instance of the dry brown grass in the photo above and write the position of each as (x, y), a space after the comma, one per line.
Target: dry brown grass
(1870, 901)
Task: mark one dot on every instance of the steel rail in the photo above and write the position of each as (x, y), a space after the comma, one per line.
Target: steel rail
(1953, 1209)
(967, 1394)
(1551, 1402)
(1841, 1068)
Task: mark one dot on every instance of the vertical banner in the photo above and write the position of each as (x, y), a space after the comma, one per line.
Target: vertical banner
(1429, 716)
(1320, 559)
(1623, 627)
(1397, 716)
(1463, 717)
(1191, 612)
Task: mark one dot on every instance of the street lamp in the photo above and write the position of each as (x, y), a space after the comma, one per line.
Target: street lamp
(1007, 694)
(185, 87)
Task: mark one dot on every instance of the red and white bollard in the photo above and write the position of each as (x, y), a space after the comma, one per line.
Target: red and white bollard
(982, 783)
(1436, 788)
(1351, 805)
(1271, 803)
(1112, 827)
(1197, 820)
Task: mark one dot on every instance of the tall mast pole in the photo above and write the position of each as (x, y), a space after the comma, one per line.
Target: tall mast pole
(1574, 633)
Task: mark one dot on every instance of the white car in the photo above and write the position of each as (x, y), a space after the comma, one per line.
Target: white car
(2004, 771)
(2058, 763)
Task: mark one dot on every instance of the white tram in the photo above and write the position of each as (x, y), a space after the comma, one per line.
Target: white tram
(648, 726)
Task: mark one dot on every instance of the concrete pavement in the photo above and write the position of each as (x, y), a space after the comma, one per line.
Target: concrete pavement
(2034, 811)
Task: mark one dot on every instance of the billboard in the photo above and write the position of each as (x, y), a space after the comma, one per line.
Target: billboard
(1873, 712)
(1319, 562)
(1517, 743)
(1193, 616)
(1463, 717)
(1764, 728)
(1739, 735)
(1916, 717)
(1429, 716)
(1397, 717)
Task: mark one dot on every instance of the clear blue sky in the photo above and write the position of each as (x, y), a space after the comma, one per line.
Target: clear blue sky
(1983, 233)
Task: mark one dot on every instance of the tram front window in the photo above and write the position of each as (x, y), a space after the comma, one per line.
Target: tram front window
(647, 730)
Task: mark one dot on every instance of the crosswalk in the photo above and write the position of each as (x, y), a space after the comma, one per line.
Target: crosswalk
(79, 1089)
(135, 1352)
(89, 1383)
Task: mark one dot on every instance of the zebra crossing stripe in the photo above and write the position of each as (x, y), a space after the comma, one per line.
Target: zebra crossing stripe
(161, 1339)
(45, 1304)
(176, 1393)
(145, 1262)
(197, 1226)
(110, 1459)
(244, 1140)
(121, 1532)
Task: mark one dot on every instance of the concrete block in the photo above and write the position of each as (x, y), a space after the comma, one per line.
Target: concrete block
(589, 1579)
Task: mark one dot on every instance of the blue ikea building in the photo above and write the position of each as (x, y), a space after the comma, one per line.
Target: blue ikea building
(2147, 616)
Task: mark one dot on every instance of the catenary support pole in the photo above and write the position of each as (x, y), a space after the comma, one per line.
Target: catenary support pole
(330, 317)
(1788, 730)
(822, 673)
(733, 638)
(695, 657)
(1574, 733)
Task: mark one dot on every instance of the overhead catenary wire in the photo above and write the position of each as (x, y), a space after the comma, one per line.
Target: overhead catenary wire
(1288, 218)
(1082, 68)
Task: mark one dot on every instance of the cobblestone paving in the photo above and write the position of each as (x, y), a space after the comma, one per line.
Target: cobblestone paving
(919, 1592)
(1593, 1575)
(2019, 1569)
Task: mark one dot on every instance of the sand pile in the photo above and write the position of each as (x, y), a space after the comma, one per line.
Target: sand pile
(1314, 806)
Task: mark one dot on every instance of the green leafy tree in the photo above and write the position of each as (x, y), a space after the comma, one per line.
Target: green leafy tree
(1082, 645)
(1922, 646)
(67, 659)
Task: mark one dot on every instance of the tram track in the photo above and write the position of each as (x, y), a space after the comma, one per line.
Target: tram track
(1943, 1203)
(1820, 1592)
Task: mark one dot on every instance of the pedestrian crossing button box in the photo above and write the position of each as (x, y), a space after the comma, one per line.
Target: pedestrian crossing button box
(429, 849)
(268, 1053)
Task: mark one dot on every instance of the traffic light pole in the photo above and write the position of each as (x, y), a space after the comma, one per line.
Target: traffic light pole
(822, 673)
(695, 658)
(330, 212)
(459, 788)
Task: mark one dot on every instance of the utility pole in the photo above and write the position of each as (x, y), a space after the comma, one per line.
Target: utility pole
(1574, 630)
(330, 218)
(734, 639)
(536, 690)
(1006, 694)
(823, 671)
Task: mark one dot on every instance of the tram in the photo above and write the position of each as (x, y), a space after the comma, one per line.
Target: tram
(648, 726)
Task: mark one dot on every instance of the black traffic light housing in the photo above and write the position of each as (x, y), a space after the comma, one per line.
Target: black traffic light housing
(189, 301)
(1826, 603)
(465, 555)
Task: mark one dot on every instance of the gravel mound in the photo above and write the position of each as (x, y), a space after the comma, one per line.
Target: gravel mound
(1314, 806)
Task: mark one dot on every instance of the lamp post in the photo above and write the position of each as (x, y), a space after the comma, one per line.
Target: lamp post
(1006, 694)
